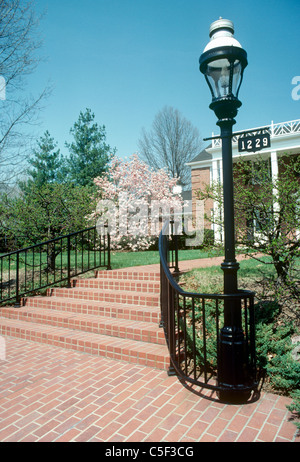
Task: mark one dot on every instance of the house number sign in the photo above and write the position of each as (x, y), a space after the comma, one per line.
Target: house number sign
(254, 143)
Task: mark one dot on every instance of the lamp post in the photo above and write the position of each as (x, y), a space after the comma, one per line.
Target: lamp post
(223, 62)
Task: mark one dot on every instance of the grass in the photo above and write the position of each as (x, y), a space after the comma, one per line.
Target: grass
(151, 257)
(119, 259)
(249, 273)
(211, 278)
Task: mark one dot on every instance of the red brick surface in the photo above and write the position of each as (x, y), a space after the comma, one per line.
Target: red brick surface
(64, 381)
(50, 394)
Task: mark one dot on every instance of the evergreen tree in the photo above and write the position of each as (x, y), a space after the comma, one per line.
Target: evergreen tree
(89, 153)
(47, 163)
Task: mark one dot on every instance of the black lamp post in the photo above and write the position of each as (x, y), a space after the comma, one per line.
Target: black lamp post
(222, 63)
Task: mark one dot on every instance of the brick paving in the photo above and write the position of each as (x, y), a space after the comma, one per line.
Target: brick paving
(48, 394)
(54, 394)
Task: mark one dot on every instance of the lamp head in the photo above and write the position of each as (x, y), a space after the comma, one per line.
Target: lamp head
(223, 62)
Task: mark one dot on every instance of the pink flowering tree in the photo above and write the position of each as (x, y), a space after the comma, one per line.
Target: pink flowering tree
(134, 200)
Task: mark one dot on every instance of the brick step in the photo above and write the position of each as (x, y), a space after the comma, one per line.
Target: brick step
(141, 353)
(123, 285)
(128, 329)
(116, 314)
(129, 274)
(121, 296)
(99, 308)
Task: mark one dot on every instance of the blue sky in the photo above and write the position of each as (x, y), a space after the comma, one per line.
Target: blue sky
(127, 59)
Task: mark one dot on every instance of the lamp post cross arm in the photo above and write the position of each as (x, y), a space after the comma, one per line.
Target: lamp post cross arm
(232, 135)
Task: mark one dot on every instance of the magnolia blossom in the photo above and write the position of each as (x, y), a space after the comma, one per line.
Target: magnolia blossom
(134, 200)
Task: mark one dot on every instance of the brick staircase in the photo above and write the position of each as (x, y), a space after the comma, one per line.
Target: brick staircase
(116, 314)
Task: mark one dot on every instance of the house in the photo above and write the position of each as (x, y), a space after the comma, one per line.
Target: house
(206, 168)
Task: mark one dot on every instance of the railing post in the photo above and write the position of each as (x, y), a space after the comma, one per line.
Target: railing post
(175, 246)
(18, 280)
(171, 328)
(175, 237)
(69, 260)
(108, 248)
(161, 294)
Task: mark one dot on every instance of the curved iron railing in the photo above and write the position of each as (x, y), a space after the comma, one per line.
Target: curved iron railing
(192, 323)
(42, 265)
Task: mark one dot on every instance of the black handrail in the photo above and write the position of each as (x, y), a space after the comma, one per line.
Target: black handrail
(191, 323)
(55, 261)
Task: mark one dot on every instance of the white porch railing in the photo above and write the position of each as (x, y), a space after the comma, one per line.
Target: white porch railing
(275, 130)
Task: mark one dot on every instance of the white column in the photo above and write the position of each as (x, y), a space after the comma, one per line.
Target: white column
(214, 171)
(274, 173)
(274, 165)
(216, 177)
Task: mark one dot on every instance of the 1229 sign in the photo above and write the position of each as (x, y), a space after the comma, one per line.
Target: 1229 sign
(254, 143)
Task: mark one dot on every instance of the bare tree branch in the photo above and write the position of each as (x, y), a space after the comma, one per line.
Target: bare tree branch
(171, 143)
(19, 43)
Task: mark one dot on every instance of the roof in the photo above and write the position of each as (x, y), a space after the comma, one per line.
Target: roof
(186, 195)
(203, 155)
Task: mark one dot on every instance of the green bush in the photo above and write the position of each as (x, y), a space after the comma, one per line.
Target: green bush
(295, 406)
(274, 348)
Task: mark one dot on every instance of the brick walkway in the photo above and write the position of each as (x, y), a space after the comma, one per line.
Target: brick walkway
(49, 394)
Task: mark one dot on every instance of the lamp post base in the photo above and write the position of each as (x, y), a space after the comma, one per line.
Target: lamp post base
(234, 397)
(232, 366)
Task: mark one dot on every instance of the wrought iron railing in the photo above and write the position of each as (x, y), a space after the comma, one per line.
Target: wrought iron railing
(55, 261)
(170, 248)
(192, 323)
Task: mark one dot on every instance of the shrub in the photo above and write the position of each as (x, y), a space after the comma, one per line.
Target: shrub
(274, 348)
(295, 406)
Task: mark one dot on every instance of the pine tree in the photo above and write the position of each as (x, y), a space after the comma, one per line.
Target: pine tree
(89, 153)
(47, 163)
